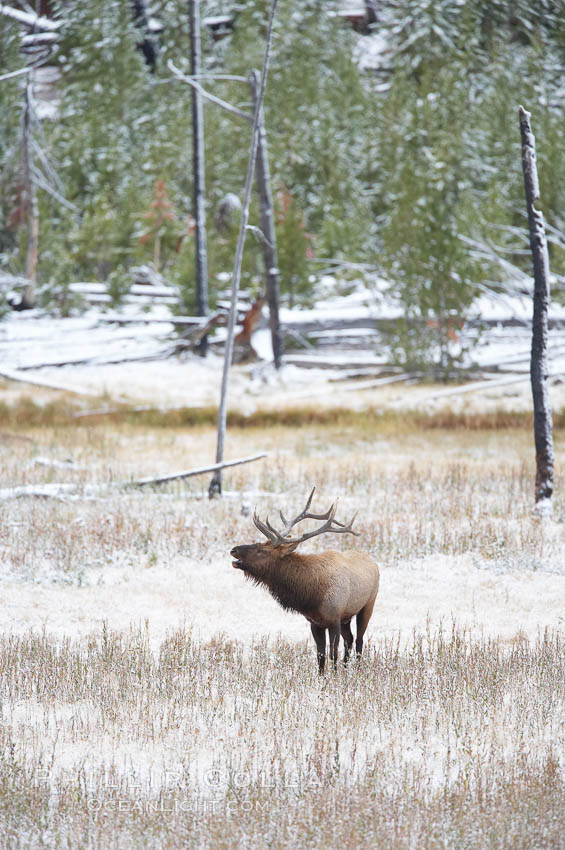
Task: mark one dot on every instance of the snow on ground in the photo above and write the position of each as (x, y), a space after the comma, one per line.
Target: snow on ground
(212, 597)
(131, 363)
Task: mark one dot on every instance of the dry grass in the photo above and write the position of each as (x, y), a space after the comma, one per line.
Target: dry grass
(27, 412)
(417, 492)
(449, 740)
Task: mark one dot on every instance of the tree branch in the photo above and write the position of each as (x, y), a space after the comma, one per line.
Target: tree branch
(35, 22)
(175, 476)
(211, 97)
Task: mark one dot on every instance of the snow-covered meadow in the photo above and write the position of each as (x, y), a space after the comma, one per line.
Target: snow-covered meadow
(153, 697)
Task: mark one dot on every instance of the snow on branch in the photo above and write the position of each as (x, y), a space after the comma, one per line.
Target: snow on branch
(483, 250)
(211, 97)
(21, 71)
(175, 476)
(33, 21)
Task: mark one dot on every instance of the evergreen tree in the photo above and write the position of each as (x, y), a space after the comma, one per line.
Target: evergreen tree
(450, 157)
(399, 175)
(429, 204)
(11, 107)
(101, 136)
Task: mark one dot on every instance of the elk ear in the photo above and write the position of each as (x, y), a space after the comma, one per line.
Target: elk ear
(286, 548)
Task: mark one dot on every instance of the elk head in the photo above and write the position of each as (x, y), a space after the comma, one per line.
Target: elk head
(279, 543)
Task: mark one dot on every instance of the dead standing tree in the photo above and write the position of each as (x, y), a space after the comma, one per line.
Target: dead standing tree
(29, 199)
(543, 430)
(37, 43)
(198, 169)
(215, 487)
(268, 229)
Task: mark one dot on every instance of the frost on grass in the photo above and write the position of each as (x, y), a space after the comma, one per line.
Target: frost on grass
(150, 697)
(448, 518)
(210, 743)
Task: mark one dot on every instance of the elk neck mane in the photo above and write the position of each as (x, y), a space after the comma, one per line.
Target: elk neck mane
(296, 581)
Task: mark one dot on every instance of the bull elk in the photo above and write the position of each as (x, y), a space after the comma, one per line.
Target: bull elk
(329, 588)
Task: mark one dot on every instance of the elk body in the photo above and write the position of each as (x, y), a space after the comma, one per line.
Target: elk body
(329, 588)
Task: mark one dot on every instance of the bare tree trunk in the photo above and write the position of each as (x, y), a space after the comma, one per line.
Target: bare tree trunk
(268, 228)
(215, 487)
(149, 45)
(29, 201)
(198, 168)
(538, 366)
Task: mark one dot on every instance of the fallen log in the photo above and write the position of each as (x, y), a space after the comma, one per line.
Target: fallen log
(343, 360)
(148, 319)
(360, 385)
(519, 357)
(68, 491)
(138, 408)
(317, 325)
(60, 492)
(96, 288)
(367, 372)
(28, 19)
(97, 360)
(13, 375)
(381, 381)
(175, 476)
(477, 387)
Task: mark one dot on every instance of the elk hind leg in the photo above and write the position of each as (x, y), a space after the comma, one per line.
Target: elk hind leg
(362, 620)
(320, 638)
(334, 633)
(347, 636)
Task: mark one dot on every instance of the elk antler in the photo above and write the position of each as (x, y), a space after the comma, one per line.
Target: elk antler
(330, 525)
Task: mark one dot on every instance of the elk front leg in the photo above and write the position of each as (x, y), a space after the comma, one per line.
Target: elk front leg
(347, 636)
(320, 638)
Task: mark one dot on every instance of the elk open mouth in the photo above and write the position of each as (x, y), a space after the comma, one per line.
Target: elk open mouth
(236, 563)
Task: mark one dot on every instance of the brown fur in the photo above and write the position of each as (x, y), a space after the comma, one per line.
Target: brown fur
(329, 588)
